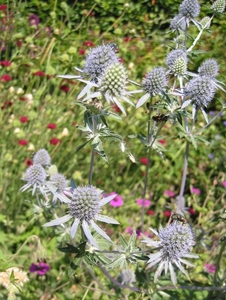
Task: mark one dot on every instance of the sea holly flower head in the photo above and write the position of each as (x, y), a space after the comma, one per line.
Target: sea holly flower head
(200, 90)
(59, 181)
(189, 8)
(98, 60)
(218, 6)
(209, 68)
(177, 62)
(176, 241)
(35, 176)
(205, 22)
(84, 209)
(42, 157)
(154, 83)
(112, 86)
(178, 23)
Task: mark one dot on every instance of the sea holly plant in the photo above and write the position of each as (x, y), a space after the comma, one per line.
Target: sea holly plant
(170, 93)
(180, 93)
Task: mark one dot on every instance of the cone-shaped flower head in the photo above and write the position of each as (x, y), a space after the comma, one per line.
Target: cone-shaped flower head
(155, 81)
(201, 90)
(209, 68)
(178, 23)
(189, 8)
(59, 181)
(85, 207)
(205, 22)
(97, 61)
(176, 241)
(42, 157)
(218, 6)
(177, 62)
(85, 204)
(113, 81)
(112, 86)
(35, 175)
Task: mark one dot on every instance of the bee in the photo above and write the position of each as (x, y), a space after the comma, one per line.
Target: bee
(96, 103)
(178, 218)
(114, 47)
(160, 118)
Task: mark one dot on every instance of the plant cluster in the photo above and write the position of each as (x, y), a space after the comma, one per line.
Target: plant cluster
(171, 95)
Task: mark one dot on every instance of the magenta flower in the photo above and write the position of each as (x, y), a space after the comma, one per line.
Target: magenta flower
(41, 268)
(167, 213)
(117, 201)
(210, 268)
(169, 193)
(147, 203)
(192, 211)
(224, 184)
(129, 230)
(195, 191)
(33, 20)
(144, 160)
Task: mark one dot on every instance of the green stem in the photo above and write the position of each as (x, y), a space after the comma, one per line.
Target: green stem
(18, 251)
(147, 167)
(218, 261)
(180, 203)
(199, 35)
(92, 154)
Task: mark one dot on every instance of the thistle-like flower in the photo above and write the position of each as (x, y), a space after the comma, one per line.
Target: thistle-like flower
(209, 68)
(177, 62)
(106, 74)
(59, 181)
(175, 243)
(98, 60)
(96, 63)
(218, 6)
(84, 208)
(35, 176)
(42, 157)
(189, 8)
(200, 90)
(205, 22)
(178, 23)
(112, 86)
(154, 83)
(58, 185)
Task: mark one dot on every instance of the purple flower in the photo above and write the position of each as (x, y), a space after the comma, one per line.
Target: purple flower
(224, 184)
(212, 113)
(169, 193)
(210, 268)
(41, 268)
(196, 191)
(117, 201)
(211, 156)
(33, 20)
(147, 203)
(224, 122)
(129, 230)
